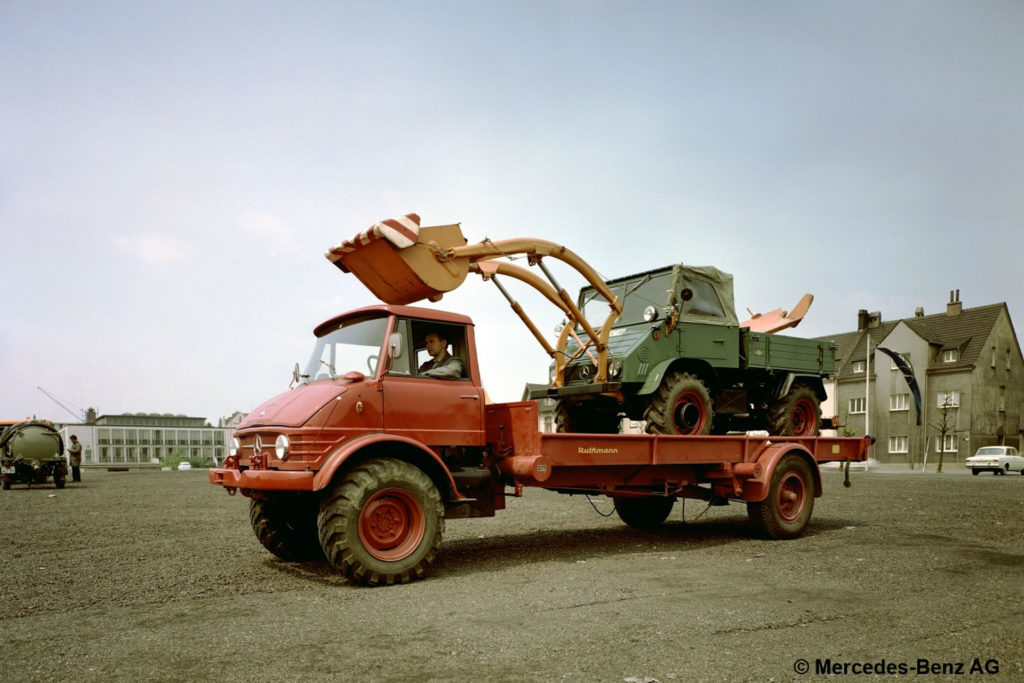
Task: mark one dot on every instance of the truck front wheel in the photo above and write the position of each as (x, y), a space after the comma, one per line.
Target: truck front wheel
(382, 523)
(644, 513)
(682, 405)
(798, 413)
(286, 526)
(786, 511)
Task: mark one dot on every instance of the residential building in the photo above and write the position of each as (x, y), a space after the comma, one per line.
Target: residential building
(968, 365)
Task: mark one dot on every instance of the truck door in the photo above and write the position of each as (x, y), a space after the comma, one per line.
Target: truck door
(432, 410)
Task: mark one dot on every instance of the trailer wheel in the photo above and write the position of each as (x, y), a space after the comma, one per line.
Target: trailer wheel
(58, 480)
(382, 523)
(798, 413)
(644, 513)
(786, 511)
(681, 405)
(286, 526)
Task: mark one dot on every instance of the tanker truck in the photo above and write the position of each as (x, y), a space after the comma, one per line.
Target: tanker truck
(31, 452)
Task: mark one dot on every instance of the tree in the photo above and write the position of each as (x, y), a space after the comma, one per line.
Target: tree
(943, 426)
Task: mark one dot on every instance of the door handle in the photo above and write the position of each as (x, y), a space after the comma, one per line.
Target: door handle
(472, 396)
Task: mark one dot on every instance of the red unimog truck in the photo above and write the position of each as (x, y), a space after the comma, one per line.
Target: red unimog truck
(364, 459)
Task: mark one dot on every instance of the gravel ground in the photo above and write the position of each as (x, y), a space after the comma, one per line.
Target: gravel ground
(148, 575)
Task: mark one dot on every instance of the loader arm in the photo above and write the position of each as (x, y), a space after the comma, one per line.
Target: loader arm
(400, 262)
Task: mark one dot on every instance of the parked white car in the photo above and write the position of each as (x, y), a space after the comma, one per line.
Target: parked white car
(184, 466)
(996, 459)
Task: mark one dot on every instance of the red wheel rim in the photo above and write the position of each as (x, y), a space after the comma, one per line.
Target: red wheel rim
(689, 414)
(803, 421)
(792, 497)
(391, 524)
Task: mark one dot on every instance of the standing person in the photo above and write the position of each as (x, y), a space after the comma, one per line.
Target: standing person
(75, 458)
(443, 365)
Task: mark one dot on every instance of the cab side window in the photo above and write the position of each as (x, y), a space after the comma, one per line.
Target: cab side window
(440, 350)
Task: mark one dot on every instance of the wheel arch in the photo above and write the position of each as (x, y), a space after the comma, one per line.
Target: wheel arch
(813, 381)
(698, 368)
(373, 446)
(757, 487)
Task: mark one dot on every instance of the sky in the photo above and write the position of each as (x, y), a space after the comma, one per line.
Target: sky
(172, 172)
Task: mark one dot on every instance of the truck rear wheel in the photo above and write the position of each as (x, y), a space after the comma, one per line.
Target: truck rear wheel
(382, 523)
(644, 513)
(58, 480)
(286, 526)
(786, 511)
(6, 482)
(682, 405)
(798, 413)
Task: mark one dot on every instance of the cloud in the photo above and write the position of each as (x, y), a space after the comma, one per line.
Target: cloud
(267, 226)
(153, 249)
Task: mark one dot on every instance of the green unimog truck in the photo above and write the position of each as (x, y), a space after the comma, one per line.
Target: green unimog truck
(31, 451)
(679, 358)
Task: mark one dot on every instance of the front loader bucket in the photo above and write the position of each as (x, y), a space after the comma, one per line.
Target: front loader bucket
(402, 263)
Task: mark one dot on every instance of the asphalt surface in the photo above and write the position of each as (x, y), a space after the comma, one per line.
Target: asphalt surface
(158, 576)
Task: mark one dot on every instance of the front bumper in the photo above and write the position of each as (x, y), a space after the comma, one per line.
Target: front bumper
(262, 480)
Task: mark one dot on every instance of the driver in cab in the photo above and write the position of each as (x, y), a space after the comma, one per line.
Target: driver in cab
(443, 365)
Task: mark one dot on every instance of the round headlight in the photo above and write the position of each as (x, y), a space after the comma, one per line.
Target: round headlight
(614, 368)
(236, 446)
(281, 446)
(650, 314)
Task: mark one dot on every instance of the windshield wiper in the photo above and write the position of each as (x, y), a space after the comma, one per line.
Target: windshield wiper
(329, 367)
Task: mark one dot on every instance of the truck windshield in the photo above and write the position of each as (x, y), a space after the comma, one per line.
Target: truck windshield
(635, 295)
(352, 345)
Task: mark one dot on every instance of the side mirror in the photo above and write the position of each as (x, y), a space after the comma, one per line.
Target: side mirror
(395, 345)
(296, 377)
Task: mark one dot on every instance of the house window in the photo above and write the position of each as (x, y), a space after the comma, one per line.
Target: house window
(856, 405)
(1007, 360)
(950, 356)
(892, 361)
(993, 356)
(899, 402)
(858, 367)
(898, 444)
(948, 445)
(948, 399)
(1002, 399)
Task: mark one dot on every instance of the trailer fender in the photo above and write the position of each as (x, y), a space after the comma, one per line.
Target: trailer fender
(755, 489)
(391, 446)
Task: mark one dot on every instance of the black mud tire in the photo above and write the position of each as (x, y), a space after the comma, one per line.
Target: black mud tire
(285, 524)
(681, 406)
(571, 418)
(644, 513)
(382, 523)
(59, 480)
(798, 413)
(786, 512)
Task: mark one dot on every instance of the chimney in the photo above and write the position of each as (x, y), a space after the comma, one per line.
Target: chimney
(919, 312)
(954, 307)
(862, 319)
